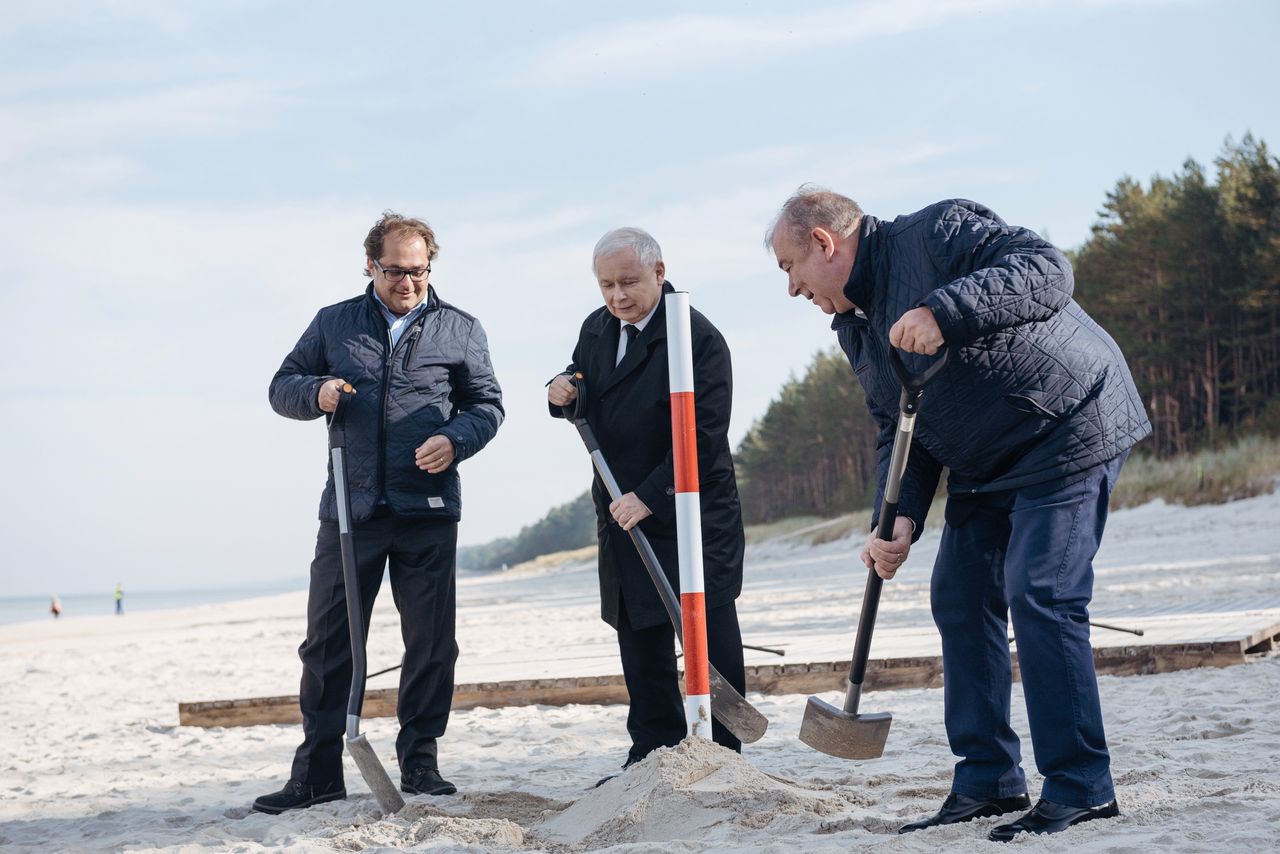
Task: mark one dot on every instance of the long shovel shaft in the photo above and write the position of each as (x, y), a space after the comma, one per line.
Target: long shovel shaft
(871, 595)
(358, 746)
(846, 733)
(727, 705)
(355, 613)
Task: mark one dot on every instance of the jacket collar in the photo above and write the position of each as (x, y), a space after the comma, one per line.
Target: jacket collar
(608, 328)
(430, 303)
(860, 289)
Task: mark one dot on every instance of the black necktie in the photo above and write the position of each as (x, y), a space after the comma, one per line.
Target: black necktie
(632, 331)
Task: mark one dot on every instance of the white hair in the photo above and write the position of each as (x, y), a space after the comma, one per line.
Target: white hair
(637, 240)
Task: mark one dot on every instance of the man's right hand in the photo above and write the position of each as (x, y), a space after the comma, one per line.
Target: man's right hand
(562, 392)
(887, 556)
(328, 395)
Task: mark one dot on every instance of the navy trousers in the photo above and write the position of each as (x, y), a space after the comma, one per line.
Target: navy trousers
(1026, 554)
(421, 554)
(655, 717)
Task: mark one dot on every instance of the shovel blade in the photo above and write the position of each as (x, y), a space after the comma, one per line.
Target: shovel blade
(734, 712)
(375, 775)
(846, 735)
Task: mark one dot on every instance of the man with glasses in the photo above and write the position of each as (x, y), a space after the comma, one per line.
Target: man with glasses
(425, 399)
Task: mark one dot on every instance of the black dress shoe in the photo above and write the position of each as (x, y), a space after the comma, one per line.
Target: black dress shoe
(1048, 817)
(632, 759)
(298, 795)
(957, 808)
(426, 781)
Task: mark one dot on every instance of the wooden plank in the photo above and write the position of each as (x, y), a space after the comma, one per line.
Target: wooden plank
(791, 678)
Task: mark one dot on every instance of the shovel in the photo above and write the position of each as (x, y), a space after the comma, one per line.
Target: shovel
(357, 745)
(727, 705)
(844, 732)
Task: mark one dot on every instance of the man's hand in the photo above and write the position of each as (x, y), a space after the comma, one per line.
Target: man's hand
(434, 455)
(887, 557)
(917, 332)
(562, 392)
(327, 397)
(629, 511)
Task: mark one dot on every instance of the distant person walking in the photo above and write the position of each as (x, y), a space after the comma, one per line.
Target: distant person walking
(426, 399)
(55, 608)
(1033, 416)
(119, 599)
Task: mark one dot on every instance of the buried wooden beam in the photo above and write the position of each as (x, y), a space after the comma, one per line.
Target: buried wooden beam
(798, 678)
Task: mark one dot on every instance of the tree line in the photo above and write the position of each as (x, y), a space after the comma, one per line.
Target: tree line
(1183, 272)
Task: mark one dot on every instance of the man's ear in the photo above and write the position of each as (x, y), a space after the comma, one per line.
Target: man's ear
(825, 240)
(660, 270)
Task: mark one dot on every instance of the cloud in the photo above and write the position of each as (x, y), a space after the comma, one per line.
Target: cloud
(673, 45)
(173, 17)
(89, 124)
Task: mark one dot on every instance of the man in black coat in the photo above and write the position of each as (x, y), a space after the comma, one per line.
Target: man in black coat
(426, 399)
(622, 354)
(1033, 414)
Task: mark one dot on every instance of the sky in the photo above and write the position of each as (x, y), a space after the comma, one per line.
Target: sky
(184, 184)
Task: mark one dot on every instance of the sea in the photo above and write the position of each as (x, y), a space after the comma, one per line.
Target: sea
(17, 609)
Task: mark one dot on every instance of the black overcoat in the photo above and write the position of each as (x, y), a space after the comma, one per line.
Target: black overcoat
(629, 408)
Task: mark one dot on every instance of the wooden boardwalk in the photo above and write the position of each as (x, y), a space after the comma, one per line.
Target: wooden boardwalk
(1209, 635)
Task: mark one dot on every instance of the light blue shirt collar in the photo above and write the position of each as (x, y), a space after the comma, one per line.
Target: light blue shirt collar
(397, 325)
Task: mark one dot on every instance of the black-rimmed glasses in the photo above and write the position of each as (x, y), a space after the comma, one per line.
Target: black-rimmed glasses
(395, 274)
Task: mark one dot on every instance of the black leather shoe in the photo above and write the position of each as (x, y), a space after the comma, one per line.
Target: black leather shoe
(426, 781)
(1048, 817)
(632, 759)
(298, 795)
(957, 808)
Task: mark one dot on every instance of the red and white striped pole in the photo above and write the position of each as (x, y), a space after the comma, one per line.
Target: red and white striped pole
(684, 442)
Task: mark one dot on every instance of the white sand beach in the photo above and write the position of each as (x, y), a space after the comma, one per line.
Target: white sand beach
(94, 758)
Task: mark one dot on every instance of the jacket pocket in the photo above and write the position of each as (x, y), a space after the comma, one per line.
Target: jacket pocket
(1030, 406)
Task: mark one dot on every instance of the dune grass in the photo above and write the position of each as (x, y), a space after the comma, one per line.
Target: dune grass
(1244, 469)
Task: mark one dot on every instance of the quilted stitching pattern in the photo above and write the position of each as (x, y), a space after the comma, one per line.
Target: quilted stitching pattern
(1033, 389)
(439, 381)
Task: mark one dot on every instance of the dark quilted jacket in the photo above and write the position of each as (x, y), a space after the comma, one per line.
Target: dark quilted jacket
(438, 380)
(1033, 389)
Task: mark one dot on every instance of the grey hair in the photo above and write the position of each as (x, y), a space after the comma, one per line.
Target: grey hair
(812, 207)
(636, 239)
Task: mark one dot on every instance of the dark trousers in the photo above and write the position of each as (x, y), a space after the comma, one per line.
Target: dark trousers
(421, 554)
(1028, 554)
(656, 715)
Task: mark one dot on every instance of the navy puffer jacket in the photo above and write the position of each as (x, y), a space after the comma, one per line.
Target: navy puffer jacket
(437, 380)
(1033, 389)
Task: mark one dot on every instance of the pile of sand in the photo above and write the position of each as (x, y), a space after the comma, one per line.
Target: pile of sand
(683, 793)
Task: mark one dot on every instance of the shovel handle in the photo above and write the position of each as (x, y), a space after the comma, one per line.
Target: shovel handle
(913, 386)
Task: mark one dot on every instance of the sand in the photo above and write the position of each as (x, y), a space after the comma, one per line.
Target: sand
(94, 760)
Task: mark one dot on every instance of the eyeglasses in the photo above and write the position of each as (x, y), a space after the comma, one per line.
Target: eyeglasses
(395, 274)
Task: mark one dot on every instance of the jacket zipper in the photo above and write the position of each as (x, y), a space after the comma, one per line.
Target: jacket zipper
(382, 420)
(409, 348)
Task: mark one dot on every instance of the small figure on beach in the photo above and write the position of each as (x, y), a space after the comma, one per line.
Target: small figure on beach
(622, 354)
(55, 607)
(426, 399)
(1033, 415)
(119, 599)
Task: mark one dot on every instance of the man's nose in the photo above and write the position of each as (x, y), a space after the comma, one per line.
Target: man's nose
(792, 288)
